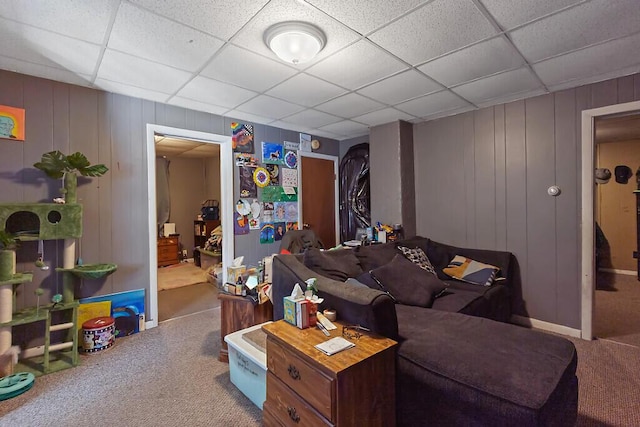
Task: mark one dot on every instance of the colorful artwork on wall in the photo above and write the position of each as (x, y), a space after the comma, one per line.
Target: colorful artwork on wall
(267, 233)
(289, 177)
(280, 229)
(274, 174)
(272, 153)
(276, 194)
(12, 123)
(240, 224)
(248, 186)
(242, 137)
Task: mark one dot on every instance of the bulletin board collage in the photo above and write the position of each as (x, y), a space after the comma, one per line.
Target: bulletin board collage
(268, 186)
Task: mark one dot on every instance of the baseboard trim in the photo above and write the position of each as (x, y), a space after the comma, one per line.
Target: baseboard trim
(616, 271)
(546, 326)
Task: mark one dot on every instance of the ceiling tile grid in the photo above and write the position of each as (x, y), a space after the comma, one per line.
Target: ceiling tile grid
(384, 60)
(159, 39)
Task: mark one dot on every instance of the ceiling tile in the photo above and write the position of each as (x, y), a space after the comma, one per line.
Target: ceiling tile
(252, 35)
(87, 20)
(447, 113)
(215, 92)
(322, 133)
(285, 125)
(51, 73)
(513, 97)
(305, 90)
(499, 85)
(219, 18)
(350, 105)
(138, 72)
(265, 105)
(346, 127)
(311, 118)
(248, 117)
(365, 17)
(386, 115)
(592, 61)
(512, 13)
(140, 33)
(435, 29)
(431, 104)
(479, 60)
(238, 66)
(584, 25)
(197, 105)
(46, 48)
(401, 87)
(128, 90)
(340, 68)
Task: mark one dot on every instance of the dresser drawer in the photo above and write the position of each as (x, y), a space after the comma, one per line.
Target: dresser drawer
(167, 252)
(310, 383)
(165, 241)
(288, 407)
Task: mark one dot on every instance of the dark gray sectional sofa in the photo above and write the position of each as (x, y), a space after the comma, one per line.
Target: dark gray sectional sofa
(458, 361)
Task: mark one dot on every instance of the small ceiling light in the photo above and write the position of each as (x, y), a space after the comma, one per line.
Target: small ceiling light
(295, 42)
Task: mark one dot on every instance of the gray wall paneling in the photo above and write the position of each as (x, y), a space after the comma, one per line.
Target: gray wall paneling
(384, 149)
(407, 177)
(541, 227)
(508, 157)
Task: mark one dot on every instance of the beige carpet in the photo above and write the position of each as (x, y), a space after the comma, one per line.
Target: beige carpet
(617, 308)
(178, 275)
(186, 300)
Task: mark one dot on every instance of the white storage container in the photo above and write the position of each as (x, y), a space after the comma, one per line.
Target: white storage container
(247, 366)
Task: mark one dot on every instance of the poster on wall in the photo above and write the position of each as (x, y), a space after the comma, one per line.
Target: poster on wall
(242, 137)
(291, 211)
(267, 233)
(240, 224)
(244, 159)
(289, 177)
(280, 229)
(278, 194)
(279, 211)
(292, 226)
(291, 159)
(248, 186)
(274, 174)
(12, 123)
(272, 153)
(305, 142)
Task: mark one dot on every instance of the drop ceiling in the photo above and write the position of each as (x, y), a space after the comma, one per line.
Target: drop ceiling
(384, 60)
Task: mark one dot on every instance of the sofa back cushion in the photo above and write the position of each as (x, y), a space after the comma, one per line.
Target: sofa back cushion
(407, 283)
(339, 264)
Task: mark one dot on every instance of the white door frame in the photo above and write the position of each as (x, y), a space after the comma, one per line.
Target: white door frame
(226, 203)
(334, 159)
(588, 207)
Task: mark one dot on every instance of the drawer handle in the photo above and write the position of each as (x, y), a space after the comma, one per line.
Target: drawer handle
(293, 414)
(293, 372)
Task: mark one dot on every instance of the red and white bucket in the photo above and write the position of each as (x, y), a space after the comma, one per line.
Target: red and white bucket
(98, 334)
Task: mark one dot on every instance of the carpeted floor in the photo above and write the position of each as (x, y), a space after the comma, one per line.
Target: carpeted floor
(166, 376)
(617, 308)
(171, 376)
(186, 300)
(178, 275)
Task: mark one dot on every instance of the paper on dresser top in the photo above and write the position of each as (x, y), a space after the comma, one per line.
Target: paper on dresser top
(334, 345)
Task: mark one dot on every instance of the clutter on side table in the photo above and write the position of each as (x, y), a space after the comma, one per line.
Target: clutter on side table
(300, 310)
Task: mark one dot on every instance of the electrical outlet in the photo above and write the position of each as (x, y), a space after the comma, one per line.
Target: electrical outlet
(184, 253)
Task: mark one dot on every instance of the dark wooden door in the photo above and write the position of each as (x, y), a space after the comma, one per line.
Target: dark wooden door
(319, 199)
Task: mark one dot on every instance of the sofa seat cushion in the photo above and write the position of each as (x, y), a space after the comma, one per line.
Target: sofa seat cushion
(454, 302)
(491, 367)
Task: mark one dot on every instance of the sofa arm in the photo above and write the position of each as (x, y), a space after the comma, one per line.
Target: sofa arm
(354, 304)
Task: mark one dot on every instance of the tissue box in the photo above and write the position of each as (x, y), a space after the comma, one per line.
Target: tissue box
(233, 273)
(290, 310)
(306, 314)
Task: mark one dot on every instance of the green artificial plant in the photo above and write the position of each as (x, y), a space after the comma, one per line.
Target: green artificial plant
(7, 240)
(57, 165)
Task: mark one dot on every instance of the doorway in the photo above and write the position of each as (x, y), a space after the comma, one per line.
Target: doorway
(226, 200)
(617, 290)
(588, 210)
(319, 196)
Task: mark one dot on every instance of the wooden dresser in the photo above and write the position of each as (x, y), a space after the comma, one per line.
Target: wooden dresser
(168, 250)
(238, 313)
(305, 387)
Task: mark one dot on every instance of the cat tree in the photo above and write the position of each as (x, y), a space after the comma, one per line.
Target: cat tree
(46, 221)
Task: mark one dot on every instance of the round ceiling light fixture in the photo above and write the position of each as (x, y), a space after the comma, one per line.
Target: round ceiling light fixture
(295, 42)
